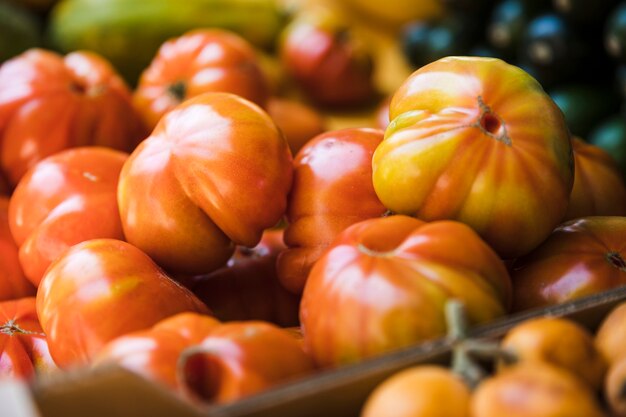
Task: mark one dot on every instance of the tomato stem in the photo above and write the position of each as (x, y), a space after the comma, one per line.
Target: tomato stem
(615, 259)
(178, 90)
(491, 124)
(11, 328)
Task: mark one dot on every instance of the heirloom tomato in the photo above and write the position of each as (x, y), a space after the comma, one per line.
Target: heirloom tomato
(13, 282)
(383, 283)
(535, 389)
(154, 353)
(615, 388)
(49, 103)
(198, 62)
(599, 188)
(423, 391)
(581, 257)
(332, 189)
(23, 347)
(65, 199)
(238, 359)
(478, 141)
(101, 289)
(214, 174)
(611, 335)
(247, 288)
(298, 122)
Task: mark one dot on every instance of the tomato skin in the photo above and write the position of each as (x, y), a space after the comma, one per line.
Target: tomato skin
(49, 103)
(419, 391)
(154, 353)
(23, 347)
(198, 186)
(467, 120)
(581, 257)
(299, 122)
(13, 283)
(611, 335)
(386, 281)
(332, 189)
(197, 62)
(239, 359)
(599, 188)
(101, 289)
(65, 199)
(247, 288)
(614, 388)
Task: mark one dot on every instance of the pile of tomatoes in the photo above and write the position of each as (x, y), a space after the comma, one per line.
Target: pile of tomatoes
(219, 240)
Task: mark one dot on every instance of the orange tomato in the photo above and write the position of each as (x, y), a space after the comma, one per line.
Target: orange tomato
(611, 335)
(13, 283)
(102, 289)
(383, 283)
(215, 173)
(332, 189)
(299, 122)
(49, 103)
(197, 62)
(65, 199)
(478, 141)
(615, 388)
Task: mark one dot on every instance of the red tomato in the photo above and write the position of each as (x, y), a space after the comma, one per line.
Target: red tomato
(247, 288)
(599, 189)
(200, 61)
(65, 199)
(581, 257)
(13, 283)
(154, 353)
(242, 358)
(214, 174)
(332, 189)
(478, 141)
(383, 283)
(328, 61)
(49, 103)
(299, 122)
(102, 289)
(23, 347)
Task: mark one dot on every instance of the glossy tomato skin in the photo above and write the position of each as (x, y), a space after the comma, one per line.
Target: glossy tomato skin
(23, 346)
(599, 188)
(154, 353)
(49, 103)
(63, 200)
(247, 288)
(611, 335)
(332, 189)
(13, 282)
(299, 122)
(478, 141)
(383, 283)
(239, 359)
(197, 62)
(328, 61)
(581, 257)
(101, 289)
(214, 174)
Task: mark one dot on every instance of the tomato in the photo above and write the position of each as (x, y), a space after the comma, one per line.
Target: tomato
(419, 392)
(197, 62)
(614, 388)
(382, 113)
(599, 188)
(299, 122)
(332, 189)
(247, 288)
(239, 359)
(328, 61)
(13, 283)
(154, 353)
(611, 335)
(560, 342)
(214, 174)
(478, 141)
(382, 285)
(101, 289)
(534, 389)
(23, 347)
(581, 257)
(65, 199)
(49, 103)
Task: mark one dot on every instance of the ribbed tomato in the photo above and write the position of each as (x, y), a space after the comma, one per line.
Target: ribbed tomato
(383, 283)
(13, 282)
(332, 189)
(479, 141)
(49, 103)
(65, 199)
(214, 174)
